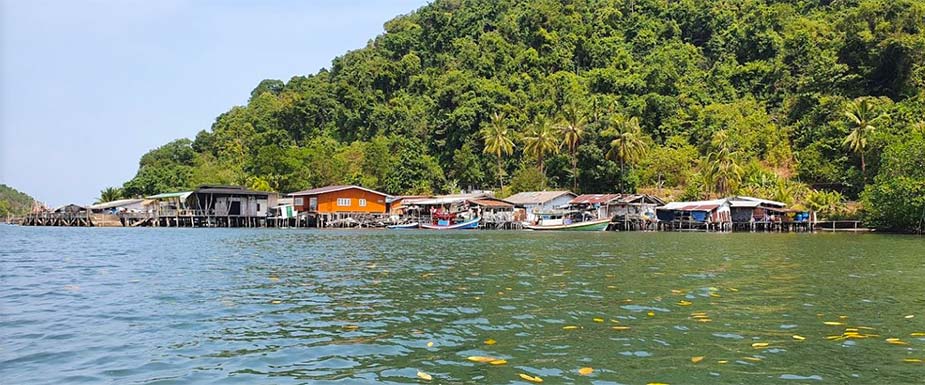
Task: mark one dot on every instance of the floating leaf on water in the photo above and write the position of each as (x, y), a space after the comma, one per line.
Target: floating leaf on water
(530, 378)
(696, 359)
(832, 337)
(569, 327)
(722, 362)
(351, 327)
(620, 327)
(758, 345)
(651, 314)
(896, 341)
(497, 362)
(696, 313)
(833, 323)
(481, 359)
(585, 371)
(684, 303)
(917, 334)
(490, 341)
(430, 343)
(732, 289)
(276, 302)
(714, 295)
(424, 376)
(798, 337)
(598, 320)
(912, 360)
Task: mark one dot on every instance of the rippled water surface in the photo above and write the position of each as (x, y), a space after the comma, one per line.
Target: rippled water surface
(175, 306)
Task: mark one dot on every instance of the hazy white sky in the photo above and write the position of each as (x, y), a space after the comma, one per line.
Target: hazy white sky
(89, 86)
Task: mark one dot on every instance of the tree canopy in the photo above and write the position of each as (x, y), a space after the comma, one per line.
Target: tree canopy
(728, 97)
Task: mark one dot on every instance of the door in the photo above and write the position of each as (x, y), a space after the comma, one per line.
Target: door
(235, 208)
(313, 204)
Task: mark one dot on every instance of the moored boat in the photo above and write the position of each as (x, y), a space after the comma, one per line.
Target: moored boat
(568, 221)
(404, 226)
(446, 225)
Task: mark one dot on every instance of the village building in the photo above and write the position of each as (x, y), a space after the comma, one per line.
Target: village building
(533, 203)
(626, 211)
(213, 206)
(696, 215)
(341, 205)
(121, 205)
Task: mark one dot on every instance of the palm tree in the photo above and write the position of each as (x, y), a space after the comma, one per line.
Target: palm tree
(498, 141)
(572, 128)
(862, 116)
(724, 170)
(628, 145)
(109, 194)
(541, 140)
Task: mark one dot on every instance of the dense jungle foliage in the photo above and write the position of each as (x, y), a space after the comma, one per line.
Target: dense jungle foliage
(13, 202)
(804, 101)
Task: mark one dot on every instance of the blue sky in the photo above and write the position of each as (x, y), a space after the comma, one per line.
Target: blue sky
(89, 86)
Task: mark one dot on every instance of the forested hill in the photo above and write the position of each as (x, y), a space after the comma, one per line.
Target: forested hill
(13, 202)
(787, 100)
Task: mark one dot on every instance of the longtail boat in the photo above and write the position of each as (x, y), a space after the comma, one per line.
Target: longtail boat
(448, 225)
(404, 226)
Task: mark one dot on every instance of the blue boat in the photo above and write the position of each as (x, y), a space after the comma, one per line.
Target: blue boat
(441, 225)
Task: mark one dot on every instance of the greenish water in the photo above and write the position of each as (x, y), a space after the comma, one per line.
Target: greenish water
(195, 306)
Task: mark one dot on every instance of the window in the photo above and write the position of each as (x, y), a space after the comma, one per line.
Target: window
(258, 207)
(362, 202)
(298, 201)
(343, 202)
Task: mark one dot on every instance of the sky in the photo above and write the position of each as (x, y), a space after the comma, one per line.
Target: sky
(89, 86)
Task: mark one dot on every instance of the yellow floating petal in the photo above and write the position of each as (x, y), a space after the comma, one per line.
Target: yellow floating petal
(585, 371)
(598, 320)
(651, 314)
(696, 359)
(798, 337)
(481, 359)
(530, 378)
(424, 376)
(497, 362)
(490, 341)
(569, 327)
(759, 345)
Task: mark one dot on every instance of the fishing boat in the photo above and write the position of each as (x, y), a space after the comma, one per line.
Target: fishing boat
(445, 224)
(404, 226)
(568, 221)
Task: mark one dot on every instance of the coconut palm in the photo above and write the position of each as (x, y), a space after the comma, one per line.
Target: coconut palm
(109, 194)
(540, 140)
(628, 145)
(572, 129)
(723, 169)
(497, 138)
(863, 117)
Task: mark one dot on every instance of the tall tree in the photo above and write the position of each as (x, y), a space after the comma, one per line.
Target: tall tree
(628, 145)
(863, 116)
(572, 129)
(498, 141)
(541, 140)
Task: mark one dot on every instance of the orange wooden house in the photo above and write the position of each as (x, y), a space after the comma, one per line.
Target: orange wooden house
(339, 199)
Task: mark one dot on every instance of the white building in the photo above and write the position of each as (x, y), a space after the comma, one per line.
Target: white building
(534, 202)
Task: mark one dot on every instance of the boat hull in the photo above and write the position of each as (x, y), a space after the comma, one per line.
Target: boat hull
(599, 225)
(467, 225)
(405, 226)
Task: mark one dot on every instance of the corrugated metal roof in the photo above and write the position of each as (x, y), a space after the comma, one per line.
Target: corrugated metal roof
(491, 202)
(694, 205)
(594, 198)
(181, 194)
(536, 197)
(116, 203)
(327, 189)
(231, 190)
(759, 200)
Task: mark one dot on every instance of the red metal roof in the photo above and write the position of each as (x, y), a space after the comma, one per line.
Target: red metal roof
(327, 189)
(696, 208)
(594, 198)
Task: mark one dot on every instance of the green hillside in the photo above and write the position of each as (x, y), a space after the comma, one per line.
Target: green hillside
(13, 202)
(793, 100)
